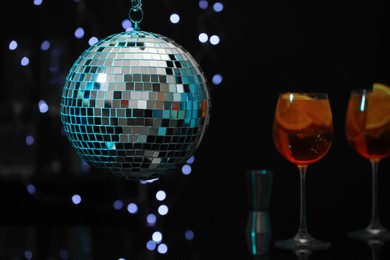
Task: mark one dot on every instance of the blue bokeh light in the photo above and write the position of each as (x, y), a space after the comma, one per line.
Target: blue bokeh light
(93, 40)
(151, 219)
(79, 33)
(186, 169)
(85, 167)
(189, 234)
(132, 208)
(191, 160)
(43, 106)
(203, 37)
(25, 61)
(162, 248)
(217, 7)
(214, 39)
(28, 254)
(13, 45)
(151, 245)
(203, 4)
(217, 79)
(163, 210)
(45, 45)
(126, 24)
(161, 195)
(174, 18)
(38, 2)
(76, 199)
(31, 188)
(157, 236)
(29, 140)
(118, 204)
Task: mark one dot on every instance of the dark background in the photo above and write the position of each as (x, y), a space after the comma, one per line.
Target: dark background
(265, 48)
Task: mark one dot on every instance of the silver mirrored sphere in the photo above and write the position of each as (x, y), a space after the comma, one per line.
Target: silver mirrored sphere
(136, 105)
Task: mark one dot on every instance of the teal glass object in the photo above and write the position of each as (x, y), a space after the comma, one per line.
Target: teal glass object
(258, 227)
(135, 104)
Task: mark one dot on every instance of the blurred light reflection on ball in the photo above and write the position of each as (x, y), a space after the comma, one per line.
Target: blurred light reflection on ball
(136, 105)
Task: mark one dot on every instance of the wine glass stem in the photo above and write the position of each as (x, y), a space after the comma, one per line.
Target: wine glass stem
(302, 221)
(374, 210)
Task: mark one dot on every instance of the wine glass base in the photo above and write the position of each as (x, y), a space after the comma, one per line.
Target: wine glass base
(297, 243)
(370, 234)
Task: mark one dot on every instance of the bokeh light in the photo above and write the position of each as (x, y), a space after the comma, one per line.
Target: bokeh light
(38, 2)
(151, 219)
(29, 140)
(31, 188)
(79, 33)
(214, 39)
(25, 61)
(189, 235)
(217, 79)
(126, 24)
(191, 160)
(203, 37)
(163, 210)
(13, 45)
(85, 167)
(76, 199)
(174, 18)
(118, 204)
(217, 7)
(151, 245)
(132, 208)
(157, 236)
(203, 4)
(93, 40)
(161, 195)
(28, 254)
(186, 169)
(43, 106)
(45, 45)
(162, 248)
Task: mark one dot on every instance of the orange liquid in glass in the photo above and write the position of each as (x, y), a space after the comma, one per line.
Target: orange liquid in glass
(303, 129)
(368, 125)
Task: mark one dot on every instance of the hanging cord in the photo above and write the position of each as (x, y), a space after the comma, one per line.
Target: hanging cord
(136, 14)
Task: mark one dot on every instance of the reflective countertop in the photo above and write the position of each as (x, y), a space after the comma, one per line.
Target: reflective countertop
(130, 242)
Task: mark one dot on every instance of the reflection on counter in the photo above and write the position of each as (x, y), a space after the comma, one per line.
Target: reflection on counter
(129, 242)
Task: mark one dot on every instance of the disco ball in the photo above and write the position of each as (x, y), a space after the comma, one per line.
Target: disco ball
(135, 104)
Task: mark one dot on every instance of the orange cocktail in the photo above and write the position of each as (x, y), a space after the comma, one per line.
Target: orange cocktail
(368, 122)
(303, 129)
(303, 133)
(367, 128)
